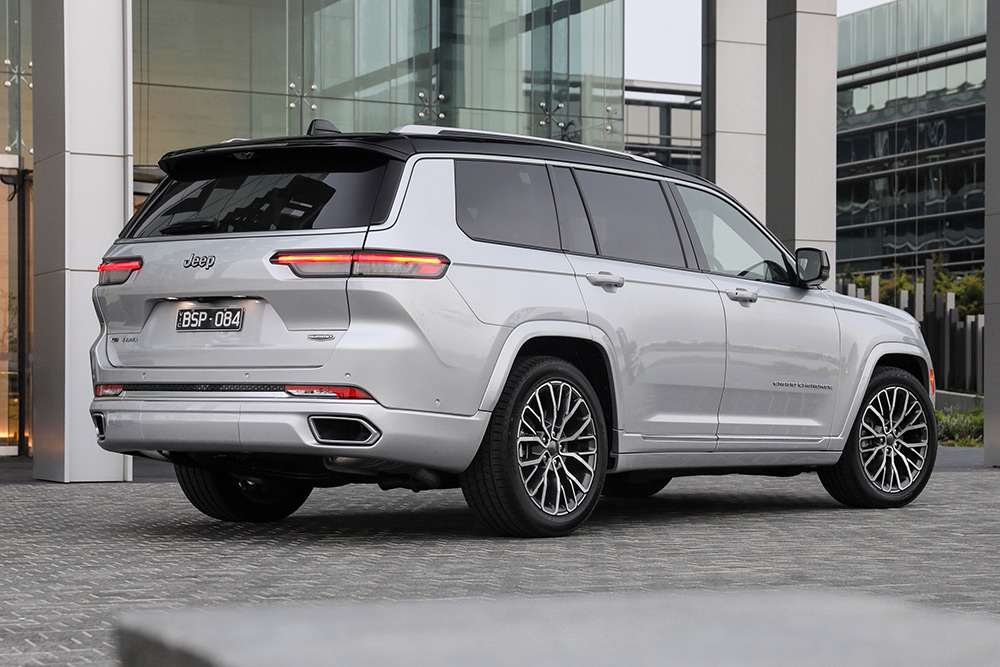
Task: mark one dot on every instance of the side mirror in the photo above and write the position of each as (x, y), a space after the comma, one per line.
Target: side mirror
(813, 265)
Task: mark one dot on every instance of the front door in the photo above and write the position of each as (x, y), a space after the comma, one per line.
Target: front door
(783, 340)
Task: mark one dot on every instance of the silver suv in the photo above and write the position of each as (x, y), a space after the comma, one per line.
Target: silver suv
(539, 323)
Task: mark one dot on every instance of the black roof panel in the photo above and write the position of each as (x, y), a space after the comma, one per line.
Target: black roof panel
(401, 146)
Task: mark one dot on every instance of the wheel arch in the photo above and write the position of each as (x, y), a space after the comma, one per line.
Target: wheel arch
(579, 344)
(909, 358)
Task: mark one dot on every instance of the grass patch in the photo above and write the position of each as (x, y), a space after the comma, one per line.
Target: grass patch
(960, 429)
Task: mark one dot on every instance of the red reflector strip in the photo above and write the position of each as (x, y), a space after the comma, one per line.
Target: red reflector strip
(310, 259)
(396, 259)
(326, 391)
(107, 390)
(343, 263)
(933, 388)
(118, 272)
(131, 265)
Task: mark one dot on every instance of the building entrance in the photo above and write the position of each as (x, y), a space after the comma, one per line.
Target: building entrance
(14, 313)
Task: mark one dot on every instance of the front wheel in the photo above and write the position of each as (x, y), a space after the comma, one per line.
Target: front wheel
(540, 468)
(891, 450)
(227, 497)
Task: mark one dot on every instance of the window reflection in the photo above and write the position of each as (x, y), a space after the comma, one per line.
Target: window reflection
(256, 68)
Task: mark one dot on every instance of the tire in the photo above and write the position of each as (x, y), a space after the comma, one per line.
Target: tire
(886, 466)
(633, 485)
(524, 483)
(226, 497)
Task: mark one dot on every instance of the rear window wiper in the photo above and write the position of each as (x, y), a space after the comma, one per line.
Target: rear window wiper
(190, 226)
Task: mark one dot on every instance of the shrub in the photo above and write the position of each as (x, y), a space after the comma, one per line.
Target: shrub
(960, 429)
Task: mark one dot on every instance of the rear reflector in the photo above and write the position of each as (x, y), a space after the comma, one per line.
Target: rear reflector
(370, 263)
(118, 271)
(932, 382)
(327, 391)
(103, 390)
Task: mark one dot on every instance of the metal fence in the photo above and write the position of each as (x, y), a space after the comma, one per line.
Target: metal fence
(955, 342)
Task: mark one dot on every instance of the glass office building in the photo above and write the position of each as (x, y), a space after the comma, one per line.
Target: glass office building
(208, 70)
(911, 102)
(663, 122)
(15, 208)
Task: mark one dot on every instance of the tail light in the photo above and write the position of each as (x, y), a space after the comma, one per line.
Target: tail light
(105, 390)
(118, 271)
(370, 263)
(328, 391)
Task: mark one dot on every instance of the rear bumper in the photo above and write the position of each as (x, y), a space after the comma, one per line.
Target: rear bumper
(432, 440)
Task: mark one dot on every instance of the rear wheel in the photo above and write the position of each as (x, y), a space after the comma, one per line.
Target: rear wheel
(227, 497)
(540, 468)
(890, 453)
(634, 485)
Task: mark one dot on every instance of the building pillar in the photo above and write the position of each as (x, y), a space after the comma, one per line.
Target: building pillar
(82, 197)
(991, 355)
(734, 122)
(801, 123)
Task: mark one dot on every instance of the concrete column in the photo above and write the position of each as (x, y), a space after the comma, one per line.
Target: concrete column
(991, 390)
(82, 197)
(734, 122)
(801, 123)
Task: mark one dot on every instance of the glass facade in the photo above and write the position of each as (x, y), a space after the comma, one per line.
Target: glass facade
(911, 135)
(208, 70)
(663, 122)
(16, 156)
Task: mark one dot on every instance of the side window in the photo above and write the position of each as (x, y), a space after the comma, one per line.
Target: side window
(631, 218)
(733, 244)
(506, 202)
(574, 227)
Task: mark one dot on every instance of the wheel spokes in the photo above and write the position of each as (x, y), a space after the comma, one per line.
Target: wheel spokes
(557, 448)
(891, 462)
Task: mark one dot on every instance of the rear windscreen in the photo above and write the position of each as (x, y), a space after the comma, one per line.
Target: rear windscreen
(269, 191)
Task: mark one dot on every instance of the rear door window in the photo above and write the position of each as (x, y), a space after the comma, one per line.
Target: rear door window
(631, 218)
(507, 202)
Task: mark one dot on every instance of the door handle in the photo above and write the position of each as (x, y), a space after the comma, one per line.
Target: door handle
(605, 279)
(741, 295)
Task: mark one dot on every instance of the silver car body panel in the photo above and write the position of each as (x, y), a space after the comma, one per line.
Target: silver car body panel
(783, 366)
(280, 424)
(693, 373)
(668, 335)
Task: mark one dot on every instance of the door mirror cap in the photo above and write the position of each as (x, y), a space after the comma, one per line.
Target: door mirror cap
(813, 266)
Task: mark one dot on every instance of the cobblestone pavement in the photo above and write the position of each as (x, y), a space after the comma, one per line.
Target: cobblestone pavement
(73, 557)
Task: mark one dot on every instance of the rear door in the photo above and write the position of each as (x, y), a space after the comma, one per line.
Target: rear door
(663, 319)
(211, 291)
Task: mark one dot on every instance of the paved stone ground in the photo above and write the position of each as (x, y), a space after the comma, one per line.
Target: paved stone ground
(74, 557)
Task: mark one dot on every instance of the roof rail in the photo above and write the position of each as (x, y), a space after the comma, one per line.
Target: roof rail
(432, 130)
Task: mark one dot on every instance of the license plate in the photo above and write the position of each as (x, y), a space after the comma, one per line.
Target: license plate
(209, 319)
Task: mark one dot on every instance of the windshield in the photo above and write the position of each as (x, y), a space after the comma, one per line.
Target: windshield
(264, 196)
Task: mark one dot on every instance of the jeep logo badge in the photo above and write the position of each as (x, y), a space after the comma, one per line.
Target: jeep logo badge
(199, 261)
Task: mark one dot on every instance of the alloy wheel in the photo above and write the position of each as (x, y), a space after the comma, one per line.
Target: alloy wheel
(893, 439)
(557, 451)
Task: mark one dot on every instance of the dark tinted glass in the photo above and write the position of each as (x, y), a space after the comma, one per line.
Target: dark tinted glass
(631, 218)
(573, 224)
(263, 195)
(506, 202)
